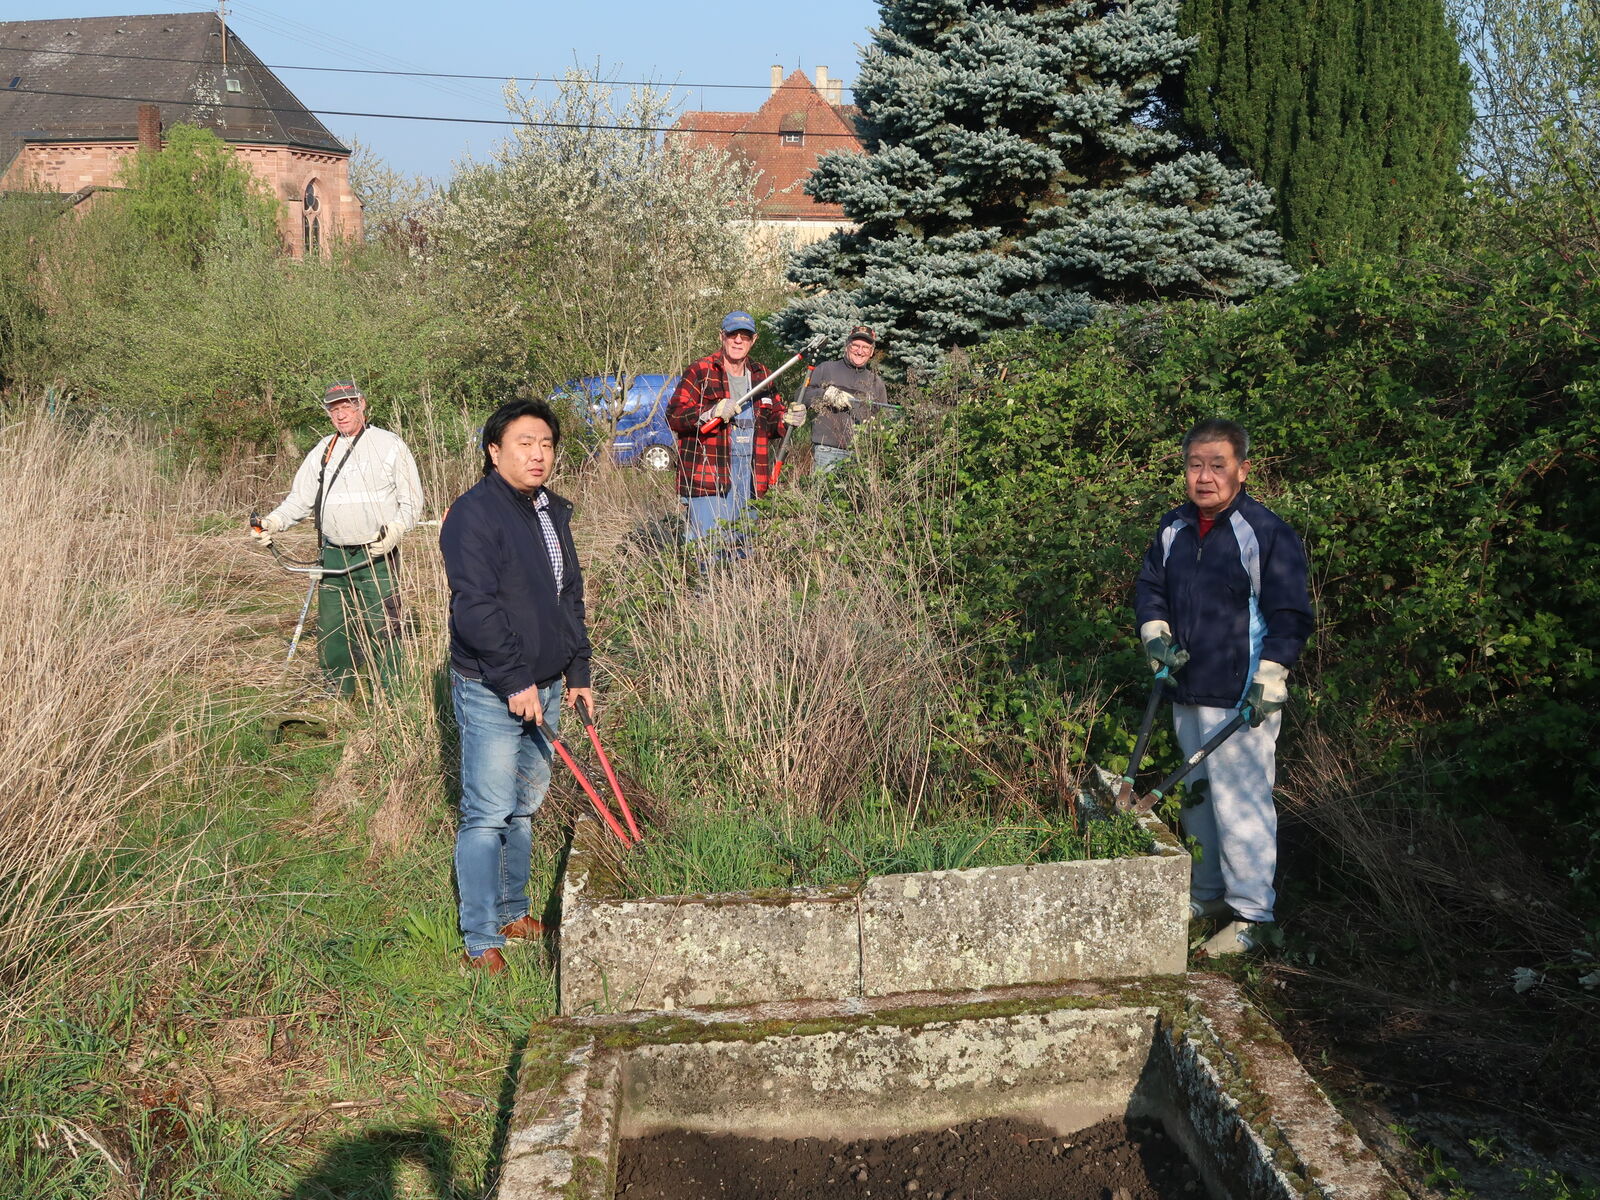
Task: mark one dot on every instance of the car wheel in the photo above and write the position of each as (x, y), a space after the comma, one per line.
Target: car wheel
(655, 458)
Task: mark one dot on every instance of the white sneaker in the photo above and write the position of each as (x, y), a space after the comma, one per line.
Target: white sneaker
(1208, 910)
(1235, 937)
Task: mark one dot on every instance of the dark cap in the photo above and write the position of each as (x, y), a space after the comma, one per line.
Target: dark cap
(345, 389)
(861, 334)
(738, 322)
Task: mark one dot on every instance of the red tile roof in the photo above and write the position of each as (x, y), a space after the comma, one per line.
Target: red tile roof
(796, 107)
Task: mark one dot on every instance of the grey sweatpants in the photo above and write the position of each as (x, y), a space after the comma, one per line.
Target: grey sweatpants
(1236, 825)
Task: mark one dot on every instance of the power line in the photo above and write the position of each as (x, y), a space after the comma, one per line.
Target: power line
(760, 87)
(333, 112)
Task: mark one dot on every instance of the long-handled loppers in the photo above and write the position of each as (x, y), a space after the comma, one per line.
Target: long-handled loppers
(1154, 796)
(605, 762)
(1136, 759)
(588, 787)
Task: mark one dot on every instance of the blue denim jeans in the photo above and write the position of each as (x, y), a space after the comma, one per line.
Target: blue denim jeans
(505, 772)
(713, 516)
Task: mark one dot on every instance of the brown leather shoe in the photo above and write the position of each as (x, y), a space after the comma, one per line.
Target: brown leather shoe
(491, 961)
(523, 927)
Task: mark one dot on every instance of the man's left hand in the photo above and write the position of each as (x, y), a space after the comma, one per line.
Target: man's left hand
(585, 694)
(388, 539)
(1269, 691)
(795, 415)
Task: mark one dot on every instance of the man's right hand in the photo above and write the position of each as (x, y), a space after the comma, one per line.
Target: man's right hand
(263, 536)
(723, 410)
(1160, 648)
(525, 704)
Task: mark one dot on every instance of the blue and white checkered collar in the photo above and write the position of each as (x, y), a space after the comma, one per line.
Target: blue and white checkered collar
(541, 499)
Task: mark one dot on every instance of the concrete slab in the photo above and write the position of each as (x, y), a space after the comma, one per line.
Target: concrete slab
(993, 926)
(668, 952)
(1203, 1062)
(982, 927)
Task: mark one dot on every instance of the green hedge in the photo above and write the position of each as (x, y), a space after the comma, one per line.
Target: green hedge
(1432, 431)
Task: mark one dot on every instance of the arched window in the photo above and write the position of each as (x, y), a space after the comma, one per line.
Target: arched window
(311, 219)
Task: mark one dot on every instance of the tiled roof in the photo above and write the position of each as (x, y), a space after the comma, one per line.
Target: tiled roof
(115, 57)
(796, 107)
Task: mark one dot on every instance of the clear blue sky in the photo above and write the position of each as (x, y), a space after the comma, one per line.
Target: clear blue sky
(670, 44)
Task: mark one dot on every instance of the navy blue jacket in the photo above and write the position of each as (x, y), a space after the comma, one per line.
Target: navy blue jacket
(507, 625)
(1233, 599)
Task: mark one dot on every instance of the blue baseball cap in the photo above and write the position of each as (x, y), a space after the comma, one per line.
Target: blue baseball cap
(736, 321)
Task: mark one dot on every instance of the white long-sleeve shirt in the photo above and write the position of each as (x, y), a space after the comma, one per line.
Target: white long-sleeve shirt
(378, 486)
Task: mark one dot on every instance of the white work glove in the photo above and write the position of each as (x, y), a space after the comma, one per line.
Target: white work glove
(836, 398)
(263, 536)
(723, 410)
(388, 539)
(1159, 646)
(1269, 691)
(795, 415)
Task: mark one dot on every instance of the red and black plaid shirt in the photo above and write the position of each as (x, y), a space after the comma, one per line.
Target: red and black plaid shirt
(703, 454)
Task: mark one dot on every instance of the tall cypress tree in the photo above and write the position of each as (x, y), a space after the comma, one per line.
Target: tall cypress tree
(1017, 173)
(1354, 112)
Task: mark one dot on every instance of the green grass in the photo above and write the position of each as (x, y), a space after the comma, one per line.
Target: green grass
(710, 849)
(303, 1027)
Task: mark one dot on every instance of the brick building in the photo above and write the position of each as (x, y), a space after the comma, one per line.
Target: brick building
(71, 113)
(800, 121)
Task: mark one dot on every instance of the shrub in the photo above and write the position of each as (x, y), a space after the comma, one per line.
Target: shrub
(1429, 428)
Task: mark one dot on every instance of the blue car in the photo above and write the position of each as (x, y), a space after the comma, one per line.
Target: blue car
(642, 436)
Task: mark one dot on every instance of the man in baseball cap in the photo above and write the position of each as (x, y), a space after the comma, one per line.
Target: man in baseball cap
(842, 393)
(360, 487)
(726, 443)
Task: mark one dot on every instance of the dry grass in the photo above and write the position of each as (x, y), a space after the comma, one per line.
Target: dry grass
(799, 677)
(802, 677)
(1408, 866)
(101, 632)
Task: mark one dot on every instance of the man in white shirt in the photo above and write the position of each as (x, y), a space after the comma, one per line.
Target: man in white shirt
(360, 487)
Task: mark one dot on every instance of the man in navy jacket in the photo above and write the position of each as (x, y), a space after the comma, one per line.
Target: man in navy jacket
(518, 638)
(1222, 599)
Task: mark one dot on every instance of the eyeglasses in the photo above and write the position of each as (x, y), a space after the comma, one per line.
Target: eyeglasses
(339, 406)
(740, 335)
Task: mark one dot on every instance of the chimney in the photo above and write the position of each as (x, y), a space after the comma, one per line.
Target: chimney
(777, 78)
(822, 81)
(150, 128)
(836, 93)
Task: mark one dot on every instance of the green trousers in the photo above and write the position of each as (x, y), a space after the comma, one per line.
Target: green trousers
(358, 617)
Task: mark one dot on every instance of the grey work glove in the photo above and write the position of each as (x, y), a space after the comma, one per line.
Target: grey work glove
(795, 415)
(1160, 648)
(1269, 691)
(263, 536)
(723, 410)
(388, 539)
(836, 398)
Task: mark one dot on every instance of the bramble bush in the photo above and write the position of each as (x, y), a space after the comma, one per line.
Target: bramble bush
(1431, 429)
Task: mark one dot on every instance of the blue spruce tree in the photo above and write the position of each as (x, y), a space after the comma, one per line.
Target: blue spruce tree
(1019, 172)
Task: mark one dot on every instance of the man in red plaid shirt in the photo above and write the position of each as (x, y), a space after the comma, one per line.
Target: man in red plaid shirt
(725, 441)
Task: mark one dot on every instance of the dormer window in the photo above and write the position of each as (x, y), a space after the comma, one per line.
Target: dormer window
(793, 137)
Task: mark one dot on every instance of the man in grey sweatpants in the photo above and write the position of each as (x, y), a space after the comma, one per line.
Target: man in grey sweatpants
(1222, 600)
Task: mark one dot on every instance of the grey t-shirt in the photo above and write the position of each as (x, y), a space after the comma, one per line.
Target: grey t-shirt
(830, 428)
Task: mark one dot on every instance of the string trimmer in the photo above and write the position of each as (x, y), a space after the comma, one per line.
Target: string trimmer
(315, 573)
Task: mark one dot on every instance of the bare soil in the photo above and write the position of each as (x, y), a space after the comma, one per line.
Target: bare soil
(994, 1159)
